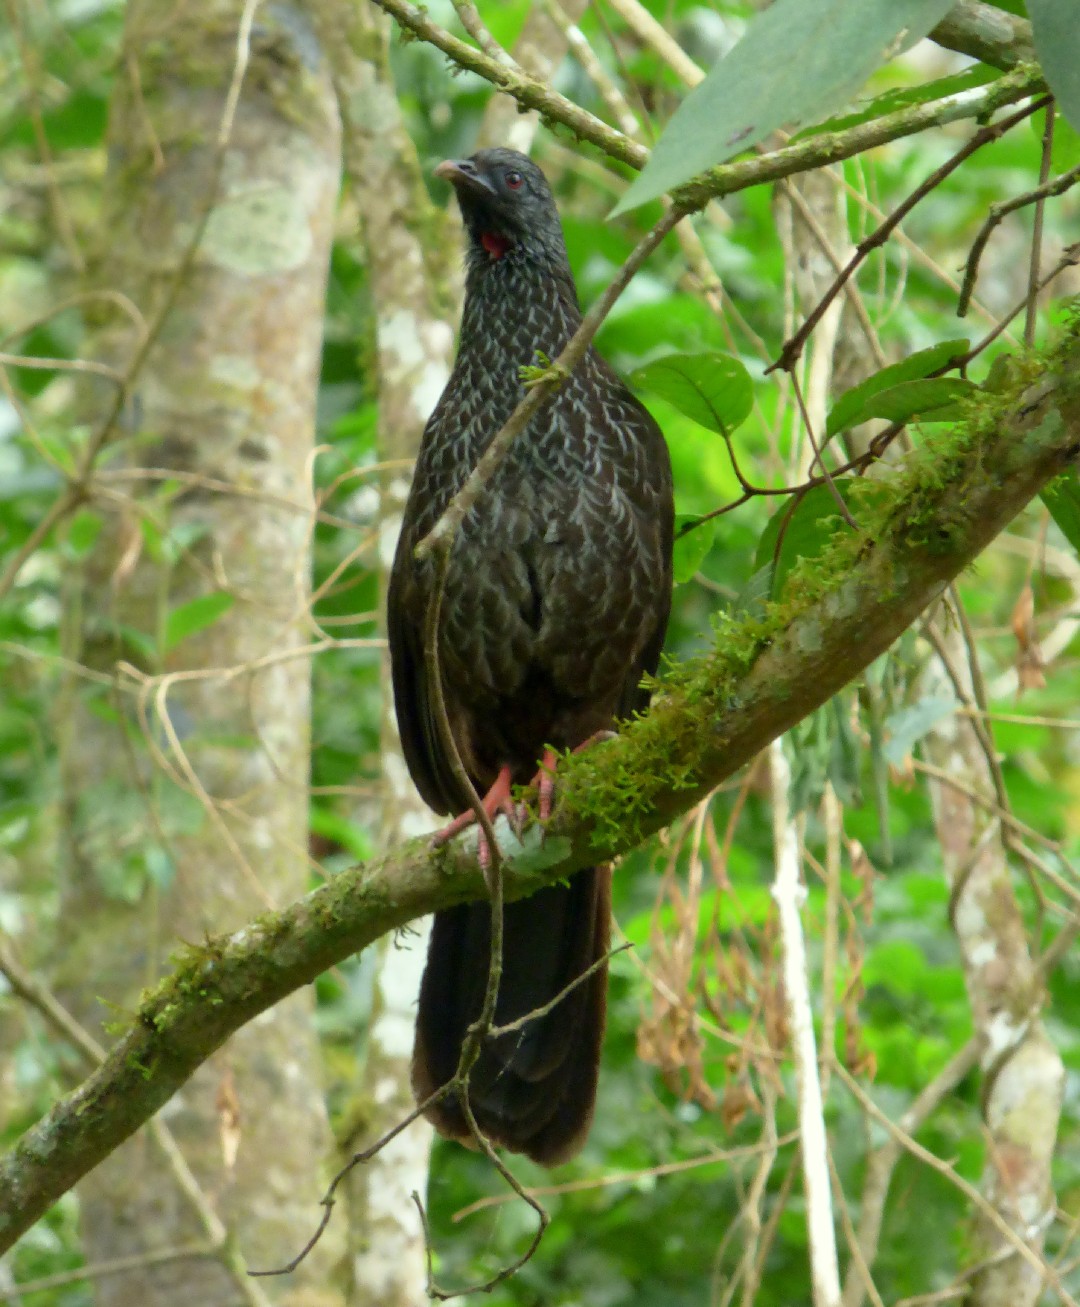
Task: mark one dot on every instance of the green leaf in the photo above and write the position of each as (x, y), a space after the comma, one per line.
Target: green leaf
(852, 402)
(535, 851)
(83, 530)
(797, 532)
(196, 615)
(1062, 498)
(1057, 43)
(691, 548)
(903, 97)
(935, 399)
(1065, 148)
(712, 389)
(77, 123)
(797, 60)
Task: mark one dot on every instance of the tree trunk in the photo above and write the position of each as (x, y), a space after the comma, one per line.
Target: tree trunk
(412, 346)
(187, 801)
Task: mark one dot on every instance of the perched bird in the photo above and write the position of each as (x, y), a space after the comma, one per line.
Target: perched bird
(555, 605)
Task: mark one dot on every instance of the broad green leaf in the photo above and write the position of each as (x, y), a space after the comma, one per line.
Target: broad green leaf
(196, 615)
(757, 592)
(797, 61)
(1062, 498)
(690, 549)
(935, 398)
(1057, 43)
(153, 538)
(1065, 148)
(845, 411)
(712, 389)
(77, 123)
(797, 532)
(538, 851)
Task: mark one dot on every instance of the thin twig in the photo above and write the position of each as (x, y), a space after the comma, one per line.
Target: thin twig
(113, 1266)
(882, 1161)
(32, 991)
(497, 1032)
(713, 1158)
(788, 893)
(1069, 259)
(808, 427)
(609, 89)
(802, 156)
(31, 69)
(1016, 1241)
(793, 348)
(997, 213)
(1037, 226)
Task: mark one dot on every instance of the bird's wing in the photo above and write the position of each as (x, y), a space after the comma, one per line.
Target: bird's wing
(660, 511)
(420, 738)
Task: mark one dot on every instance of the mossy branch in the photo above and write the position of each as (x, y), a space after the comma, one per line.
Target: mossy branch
(970, 27)
(764, 675)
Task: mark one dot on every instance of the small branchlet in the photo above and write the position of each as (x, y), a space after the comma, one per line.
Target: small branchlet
(535, 374)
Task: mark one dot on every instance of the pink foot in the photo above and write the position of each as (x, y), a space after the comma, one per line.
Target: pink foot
(544, 780)
(496, 800)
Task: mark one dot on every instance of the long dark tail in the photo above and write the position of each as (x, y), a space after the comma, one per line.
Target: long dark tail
(534, 1090)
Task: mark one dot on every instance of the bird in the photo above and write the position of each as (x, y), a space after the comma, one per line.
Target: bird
(556, 599)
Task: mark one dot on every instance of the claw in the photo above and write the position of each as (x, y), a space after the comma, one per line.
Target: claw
(544, 780)
(496, 800)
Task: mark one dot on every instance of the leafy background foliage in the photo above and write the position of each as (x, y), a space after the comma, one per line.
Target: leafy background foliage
(642, 1230)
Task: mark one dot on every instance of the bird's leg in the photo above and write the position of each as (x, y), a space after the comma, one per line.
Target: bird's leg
(496, 800)
(544, 780)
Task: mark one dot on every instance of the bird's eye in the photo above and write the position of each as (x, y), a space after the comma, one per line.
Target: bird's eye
(514, 180)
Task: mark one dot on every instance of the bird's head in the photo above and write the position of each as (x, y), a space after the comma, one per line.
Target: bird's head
(506, 205)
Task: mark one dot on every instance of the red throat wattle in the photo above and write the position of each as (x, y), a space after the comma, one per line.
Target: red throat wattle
(495, 243)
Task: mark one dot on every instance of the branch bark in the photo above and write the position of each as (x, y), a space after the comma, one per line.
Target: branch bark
(766, 673)
(986, 33)
(726, 179)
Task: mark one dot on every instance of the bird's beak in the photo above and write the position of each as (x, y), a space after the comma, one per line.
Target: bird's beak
(463, 174)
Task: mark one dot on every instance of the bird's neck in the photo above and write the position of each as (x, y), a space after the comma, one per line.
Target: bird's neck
(516, 306)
